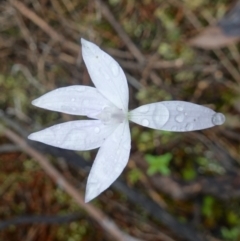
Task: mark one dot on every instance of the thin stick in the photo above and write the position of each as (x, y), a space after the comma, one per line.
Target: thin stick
(131, 46)
(44, 26)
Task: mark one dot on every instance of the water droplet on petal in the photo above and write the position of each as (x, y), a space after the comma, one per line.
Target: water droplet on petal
(145, 122)
(160, 115)
(218, 119)
(97, 129)
(180, 118)
(180, 108)
(189, 127)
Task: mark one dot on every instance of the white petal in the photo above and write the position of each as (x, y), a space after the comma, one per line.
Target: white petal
(110, 161)
(178, 116)
(106, 74)
(75, 135)
(76, 100)
(153, 115)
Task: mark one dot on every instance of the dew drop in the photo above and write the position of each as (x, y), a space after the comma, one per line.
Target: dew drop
(180, 118)
(160, 114)
(218, 119)
(174, 128)
(145, 122)
(189, 127)
(97, 129)
(180, 108)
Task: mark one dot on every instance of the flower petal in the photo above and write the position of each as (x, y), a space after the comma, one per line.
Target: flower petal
(177, 116)
(76, 100)
(110, 161)
(75, 135)
(106, 74)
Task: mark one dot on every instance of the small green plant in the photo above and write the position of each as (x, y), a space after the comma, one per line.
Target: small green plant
(134, 175)
(159, 164)
(189, 174)
(208, 206)
(232, 234)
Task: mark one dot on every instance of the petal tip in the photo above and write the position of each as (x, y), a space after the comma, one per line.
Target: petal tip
(35, 102)
(31, 137)
(85, 43)
(36, 136)
(87, 199)
(88, 48)
(92, 191)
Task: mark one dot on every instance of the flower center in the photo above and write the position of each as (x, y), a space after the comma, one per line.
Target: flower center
(111, 115)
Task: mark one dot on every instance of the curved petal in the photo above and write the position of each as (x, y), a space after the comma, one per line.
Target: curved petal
(110, 161)
(106, 74)
(76, 100)
(75, 135)
(153, 115)
(177, 116)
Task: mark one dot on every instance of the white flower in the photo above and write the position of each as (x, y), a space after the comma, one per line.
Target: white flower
(107, 104)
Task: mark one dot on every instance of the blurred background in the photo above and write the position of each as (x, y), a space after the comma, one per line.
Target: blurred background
(177, 186)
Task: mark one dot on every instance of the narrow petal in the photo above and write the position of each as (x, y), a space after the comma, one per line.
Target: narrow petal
(76, 100)
(75, 135)
(177, 116)
(110, 161)
(106, 74)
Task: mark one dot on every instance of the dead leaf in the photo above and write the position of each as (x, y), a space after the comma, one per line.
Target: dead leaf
(213, 37)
